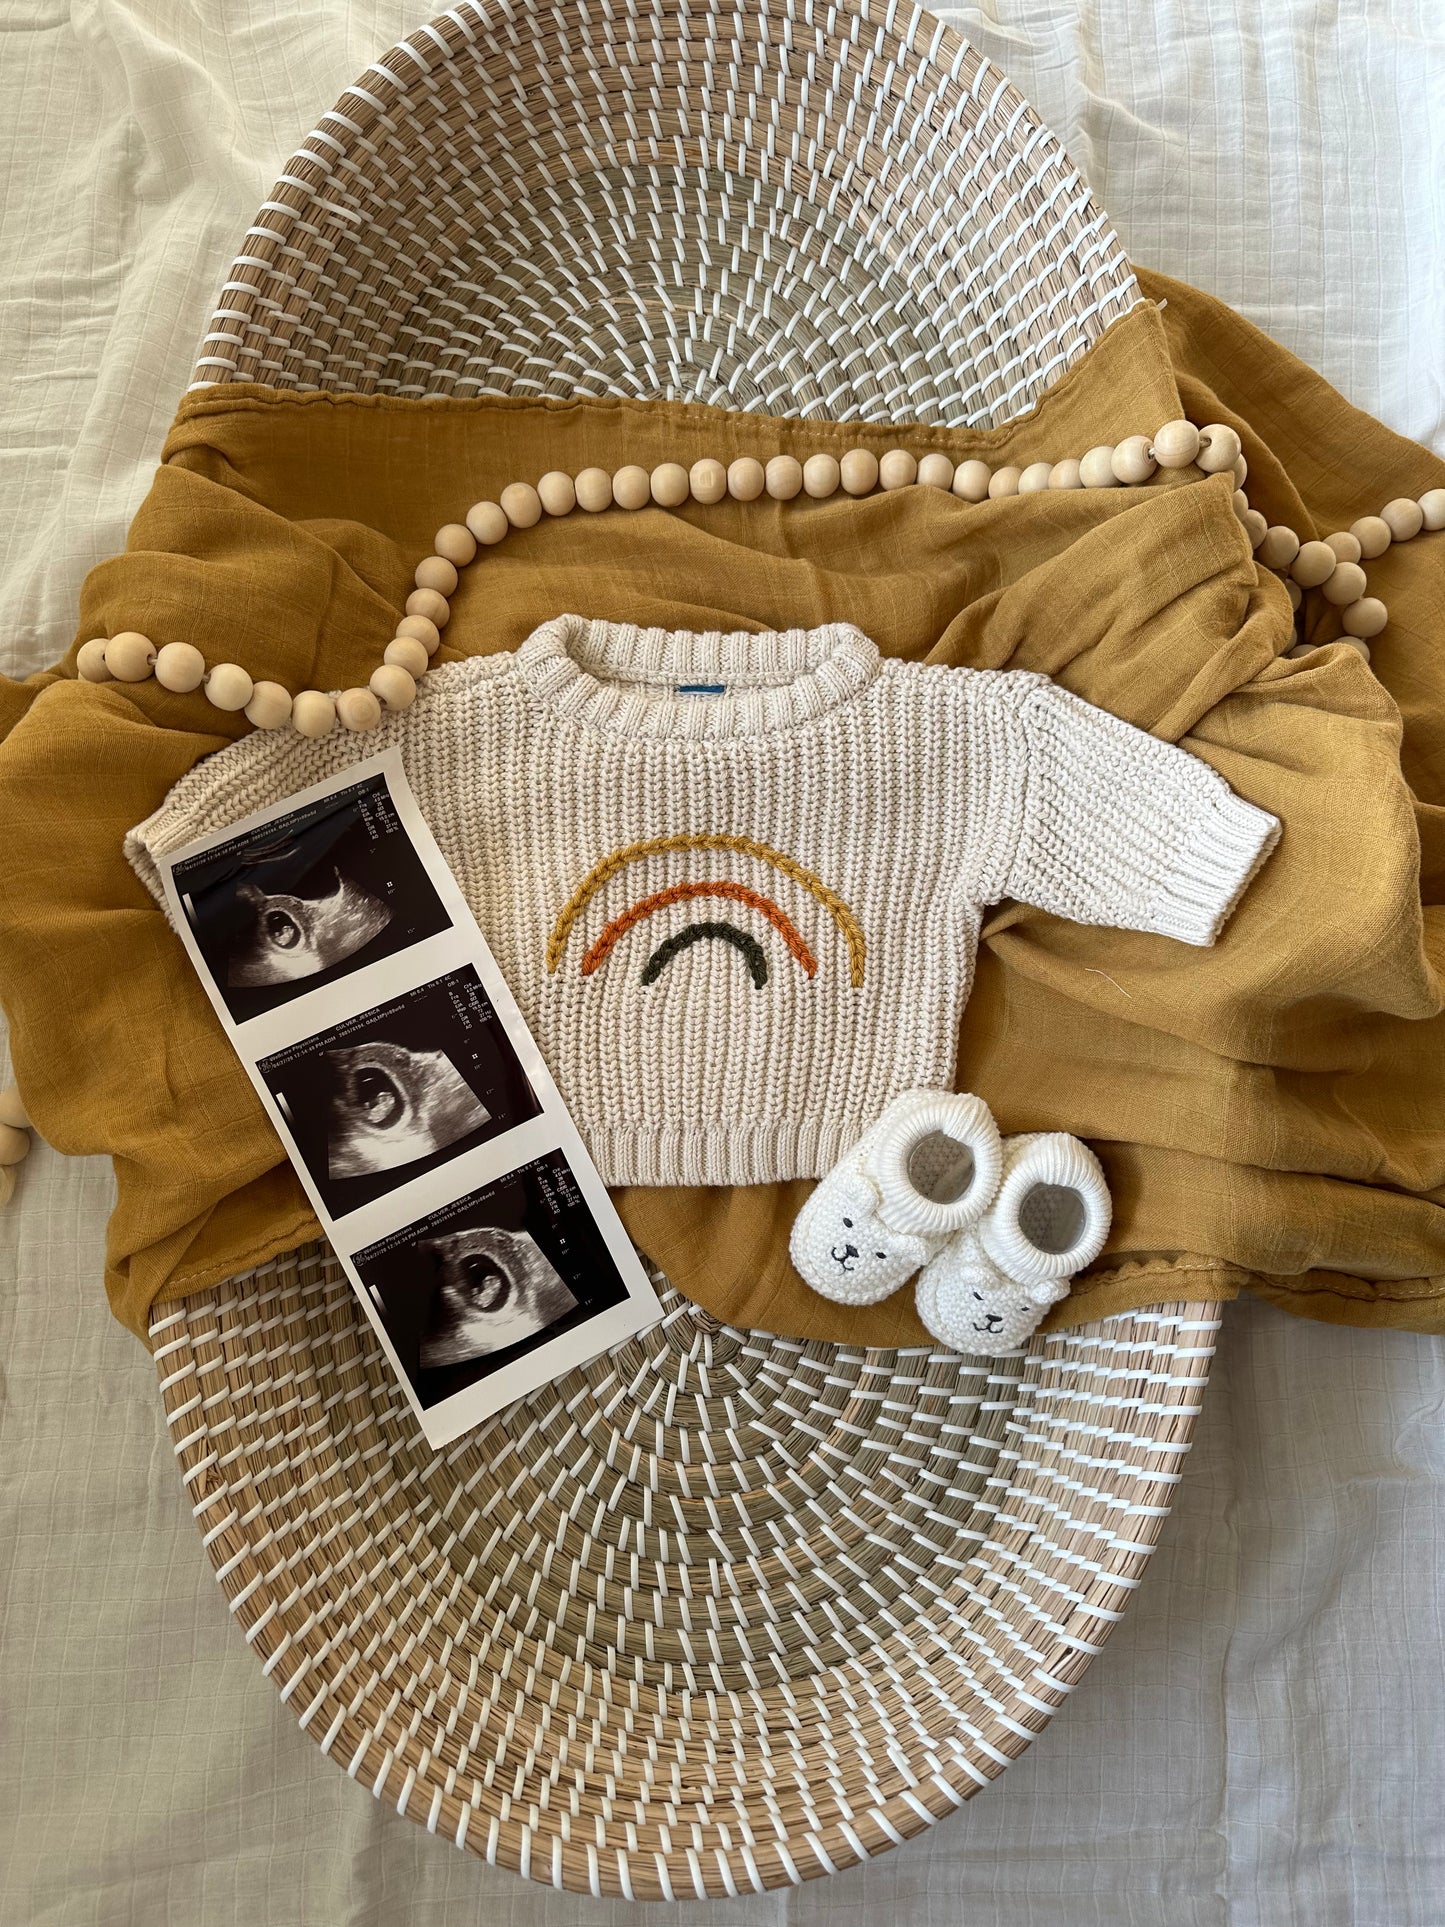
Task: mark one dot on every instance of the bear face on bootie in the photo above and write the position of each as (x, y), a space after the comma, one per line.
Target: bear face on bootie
(842, 1246)
(971, 1306)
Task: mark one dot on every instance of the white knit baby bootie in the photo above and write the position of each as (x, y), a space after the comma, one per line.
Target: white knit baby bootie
(991, 1284)
(927, 1168)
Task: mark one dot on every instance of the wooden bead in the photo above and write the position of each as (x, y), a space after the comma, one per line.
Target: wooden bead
(897, 469)
(632, 486)
(431, 604)
(487, 522)
(1218, 448)
(1373, 536)
(1346, 585)
(1096, 468)
(859, 471)
(313, 713)
(358, 709)
(522, 506)
(1432, 508)
(1035, 477)
(783, 477)
(1004, 482)
(435, 572)
(269, 707)
(130, 656)
(1241, 504)
(1255, 527)
(12, 1111)
(1314, 564)
(1175, 444)
(746, 479)
(1345, 545)
(394, 686)
(1066, 474)
(456, 544)
(594, 490)
(1402, 517)
(1241, 472)
(971, 480)
(228, 686)
(1358, 644)
(1133, 463)
(14, 1144)
(180, 667)
(708, 481)
(1296, 594)
(668, 482)
(90, 660)
(936, 470)
(1300, 649)
(557, 492)
(1365, 618)
(405, 652)
(821, 476)
(421, 629)
(1279, 547)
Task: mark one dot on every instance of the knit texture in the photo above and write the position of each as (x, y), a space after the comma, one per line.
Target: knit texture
(875, 806)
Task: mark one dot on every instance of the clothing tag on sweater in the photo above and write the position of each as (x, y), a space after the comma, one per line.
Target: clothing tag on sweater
(700, 689)
(349, 973)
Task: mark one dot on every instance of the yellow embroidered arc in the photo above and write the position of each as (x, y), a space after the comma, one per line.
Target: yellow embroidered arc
(745, 846)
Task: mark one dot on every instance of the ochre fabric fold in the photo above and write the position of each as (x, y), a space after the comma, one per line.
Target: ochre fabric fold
(1267, 1111)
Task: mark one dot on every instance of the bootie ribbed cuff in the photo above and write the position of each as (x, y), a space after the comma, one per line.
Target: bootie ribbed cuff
(1052, 1212)
(934, 1190)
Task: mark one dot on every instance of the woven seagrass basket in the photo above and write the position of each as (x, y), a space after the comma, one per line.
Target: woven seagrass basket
(722, 1611)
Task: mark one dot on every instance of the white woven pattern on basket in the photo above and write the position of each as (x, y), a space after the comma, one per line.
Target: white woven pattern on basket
(783, 205)
(720, 1612)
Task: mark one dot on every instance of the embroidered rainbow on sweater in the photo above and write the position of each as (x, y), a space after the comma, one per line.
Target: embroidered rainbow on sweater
(636, 913)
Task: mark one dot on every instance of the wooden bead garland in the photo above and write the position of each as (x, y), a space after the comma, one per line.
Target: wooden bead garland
(1333, 566)
(14, 1132)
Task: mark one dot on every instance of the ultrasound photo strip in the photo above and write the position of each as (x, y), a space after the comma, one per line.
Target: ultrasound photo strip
(409, 1094)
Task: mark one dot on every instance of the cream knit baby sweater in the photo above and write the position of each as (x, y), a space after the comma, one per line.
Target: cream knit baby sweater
(736, 881)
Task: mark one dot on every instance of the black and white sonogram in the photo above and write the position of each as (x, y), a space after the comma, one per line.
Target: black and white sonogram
(398, 1090)
(310, 897)
(490, 1277)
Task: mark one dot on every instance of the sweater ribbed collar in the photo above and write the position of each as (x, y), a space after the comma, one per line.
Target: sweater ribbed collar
(631, 681)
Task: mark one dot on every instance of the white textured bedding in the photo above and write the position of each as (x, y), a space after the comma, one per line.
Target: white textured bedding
(1263, 1741)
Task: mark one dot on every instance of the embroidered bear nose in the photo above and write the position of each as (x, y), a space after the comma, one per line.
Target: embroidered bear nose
(842, 1257)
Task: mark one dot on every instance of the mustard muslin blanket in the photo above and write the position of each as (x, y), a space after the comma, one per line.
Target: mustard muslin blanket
(1268, 1112)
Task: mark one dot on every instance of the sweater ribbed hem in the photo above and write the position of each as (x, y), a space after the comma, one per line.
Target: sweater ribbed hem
(1214, 868)
(761, 1151)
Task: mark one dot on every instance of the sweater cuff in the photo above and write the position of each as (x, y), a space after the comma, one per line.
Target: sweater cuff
(1216, 865)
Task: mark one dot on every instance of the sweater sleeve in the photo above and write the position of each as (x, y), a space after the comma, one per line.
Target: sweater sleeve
(1122, 829)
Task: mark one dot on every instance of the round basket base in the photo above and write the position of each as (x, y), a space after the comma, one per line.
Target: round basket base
(720, 1612)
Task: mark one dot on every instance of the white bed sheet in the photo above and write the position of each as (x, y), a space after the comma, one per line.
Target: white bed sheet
(1263, 1741)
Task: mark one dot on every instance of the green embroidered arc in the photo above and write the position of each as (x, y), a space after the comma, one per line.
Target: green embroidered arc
(670, 947)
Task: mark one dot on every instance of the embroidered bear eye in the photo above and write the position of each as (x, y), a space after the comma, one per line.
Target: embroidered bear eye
(847, 1224)
(880, 1254)
(979, 1296)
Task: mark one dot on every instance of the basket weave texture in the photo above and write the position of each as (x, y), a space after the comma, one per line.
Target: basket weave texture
(719, 1612)
(723, 1611)
(807, 209)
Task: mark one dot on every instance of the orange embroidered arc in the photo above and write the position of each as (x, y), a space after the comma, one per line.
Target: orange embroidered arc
(683, 893)
(608, 868)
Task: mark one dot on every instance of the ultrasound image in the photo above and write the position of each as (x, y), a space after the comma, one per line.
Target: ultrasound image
(308, 898)
(400, 1089)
